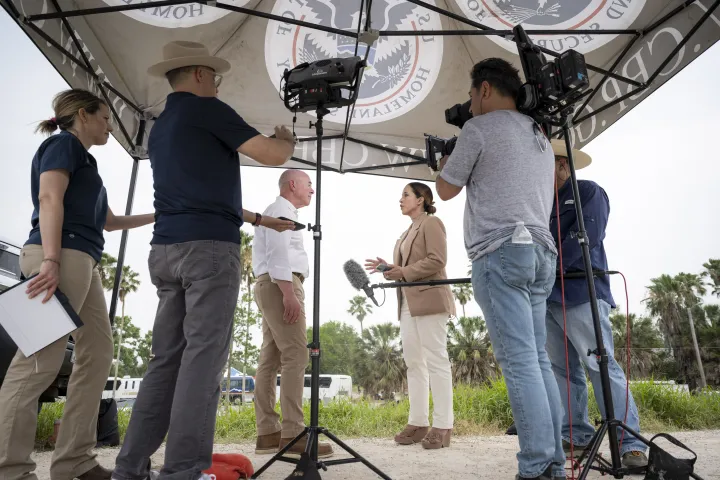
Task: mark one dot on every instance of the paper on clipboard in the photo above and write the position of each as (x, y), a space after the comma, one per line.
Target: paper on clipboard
(34, 325)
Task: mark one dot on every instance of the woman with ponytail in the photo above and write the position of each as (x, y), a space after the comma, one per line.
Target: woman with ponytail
(62, 252)
(421, 255)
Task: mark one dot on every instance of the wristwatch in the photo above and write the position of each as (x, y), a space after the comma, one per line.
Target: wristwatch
(258, 217)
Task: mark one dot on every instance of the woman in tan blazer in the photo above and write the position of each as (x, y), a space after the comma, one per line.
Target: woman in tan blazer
(420, 255)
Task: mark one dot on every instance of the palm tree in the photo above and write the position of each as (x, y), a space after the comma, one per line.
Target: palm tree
(359, 308)
(247, 275)
(129, 283)
(383, 367)
(669, 299)
(470, 351)
(107, 267)
(646, 344)
(463, 293)
(712, 271)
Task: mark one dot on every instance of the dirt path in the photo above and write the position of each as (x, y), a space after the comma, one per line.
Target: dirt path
(468, 458)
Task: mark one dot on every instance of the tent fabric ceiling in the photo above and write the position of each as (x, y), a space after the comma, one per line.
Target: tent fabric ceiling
(410, 79)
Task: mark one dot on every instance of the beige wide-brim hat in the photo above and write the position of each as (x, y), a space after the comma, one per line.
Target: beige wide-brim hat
(178, 54)
(580, 158)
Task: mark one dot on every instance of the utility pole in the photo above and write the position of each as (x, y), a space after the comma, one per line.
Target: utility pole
(703, 383)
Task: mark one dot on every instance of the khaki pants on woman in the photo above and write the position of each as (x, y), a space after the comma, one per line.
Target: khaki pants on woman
(28, 377)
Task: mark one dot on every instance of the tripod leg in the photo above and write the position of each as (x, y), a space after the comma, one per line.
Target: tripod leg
(356, 455)
(594, 448)
(278, 455)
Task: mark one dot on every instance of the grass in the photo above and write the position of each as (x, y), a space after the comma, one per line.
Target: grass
(478, 411)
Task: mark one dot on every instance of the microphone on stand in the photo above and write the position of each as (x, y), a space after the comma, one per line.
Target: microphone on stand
(359, 279)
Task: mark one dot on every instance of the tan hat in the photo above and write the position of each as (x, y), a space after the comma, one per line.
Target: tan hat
(580, 158)
(178, 54)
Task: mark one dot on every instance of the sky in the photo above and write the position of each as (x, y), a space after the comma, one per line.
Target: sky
(658, 164)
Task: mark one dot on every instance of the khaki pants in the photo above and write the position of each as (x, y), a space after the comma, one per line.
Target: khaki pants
(284, 349)
(28, 377)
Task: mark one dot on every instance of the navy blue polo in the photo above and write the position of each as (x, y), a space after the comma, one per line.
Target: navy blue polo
(196, 170)
(85, 203)
(596, 210)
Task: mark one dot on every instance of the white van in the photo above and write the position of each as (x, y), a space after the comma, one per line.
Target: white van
(126, 387)
(9, 264)
(331, 387)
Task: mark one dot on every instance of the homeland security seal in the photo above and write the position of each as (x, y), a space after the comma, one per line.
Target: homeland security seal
(400, 71)
(554, 15)
(176, 16)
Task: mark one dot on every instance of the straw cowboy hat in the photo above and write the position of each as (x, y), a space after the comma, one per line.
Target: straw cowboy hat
(178, 54)
(580, 158)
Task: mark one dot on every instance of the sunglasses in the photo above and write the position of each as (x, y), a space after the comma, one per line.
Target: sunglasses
(217, 78)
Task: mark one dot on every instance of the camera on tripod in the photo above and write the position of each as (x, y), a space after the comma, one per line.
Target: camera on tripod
(551, 90)
(328, 83)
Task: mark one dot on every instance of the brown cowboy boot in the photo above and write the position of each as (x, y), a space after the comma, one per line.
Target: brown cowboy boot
(437, 439)
(411, 435)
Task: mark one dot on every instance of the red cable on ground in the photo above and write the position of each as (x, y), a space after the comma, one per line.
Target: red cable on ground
(567, 356)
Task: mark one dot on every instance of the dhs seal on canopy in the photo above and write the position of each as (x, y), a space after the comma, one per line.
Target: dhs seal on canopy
(177, 16)
(554, 15)
(400, 71)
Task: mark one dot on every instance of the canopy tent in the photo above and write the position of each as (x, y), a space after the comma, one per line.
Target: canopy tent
(418, 67)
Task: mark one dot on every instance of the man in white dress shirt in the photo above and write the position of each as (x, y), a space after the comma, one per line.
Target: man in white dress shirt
(281, 265)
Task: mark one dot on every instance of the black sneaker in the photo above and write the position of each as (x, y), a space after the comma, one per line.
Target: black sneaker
(577, 449)
(546, 475)
(634, 459)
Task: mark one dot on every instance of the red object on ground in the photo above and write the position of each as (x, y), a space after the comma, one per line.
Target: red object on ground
(230, 466)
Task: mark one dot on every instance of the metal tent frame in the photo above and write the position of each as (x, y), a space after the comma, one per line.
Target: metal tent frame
(138, 153)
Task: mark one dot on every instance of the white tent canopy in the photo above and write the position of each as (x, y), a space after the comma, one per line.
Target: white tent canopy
(417, 68)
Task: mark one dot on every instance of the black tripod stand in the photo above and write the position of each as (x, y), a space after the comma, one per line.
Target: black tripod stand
(609, 425)
(308, 465)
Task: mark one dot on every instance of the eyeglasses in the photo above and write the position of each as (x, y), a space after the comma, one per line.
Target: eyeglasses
(217, 78)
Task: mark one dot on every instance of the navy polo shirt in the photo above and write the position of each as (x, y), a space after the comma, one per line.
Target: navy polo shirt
(85, 203)
(596, 209)
(196, 170)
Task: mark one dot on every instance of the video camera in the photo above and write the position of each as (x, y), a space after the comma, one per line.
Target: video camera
(551, 90)
(328, 83)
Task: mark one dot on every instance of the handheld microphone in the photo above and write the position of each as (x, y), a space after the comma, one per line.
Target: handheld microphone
(359, 279)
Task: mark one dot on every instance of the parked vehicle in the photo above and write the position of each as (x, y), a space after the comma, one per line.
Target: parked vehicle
(331, 387)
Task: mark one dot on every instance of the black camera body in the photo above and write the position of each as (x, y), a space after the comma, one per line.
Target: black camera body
(328, 83)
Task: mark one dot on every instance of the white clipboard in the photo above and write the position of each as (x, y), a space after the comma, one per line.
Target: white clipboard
(34, 325)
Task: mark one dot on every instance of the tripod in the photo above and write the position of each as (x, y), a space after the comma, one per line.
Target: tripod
(609, 425)
(308, 465)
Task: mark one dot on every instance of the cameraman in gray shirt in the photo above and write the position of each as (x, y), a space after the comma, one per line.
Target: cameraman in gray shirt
(507, 164)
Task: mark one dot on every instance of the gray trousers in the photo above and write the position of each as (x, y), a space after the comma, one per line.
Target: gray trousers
(197, 285)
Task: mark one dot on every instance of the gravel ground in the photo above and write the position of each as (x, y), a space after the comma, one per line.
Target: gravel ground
(467, 458)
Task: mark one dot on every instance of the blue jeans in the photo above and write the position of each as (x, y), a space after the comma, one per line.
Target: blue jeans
(511, 285)
(581, 338)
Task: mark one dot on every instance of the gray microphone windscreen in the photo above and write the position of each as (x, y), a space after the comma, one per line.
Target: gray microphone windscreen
(355, 274)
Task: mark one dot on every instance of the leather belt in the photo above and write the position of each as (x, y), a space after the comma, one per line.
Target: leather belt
(299, 276)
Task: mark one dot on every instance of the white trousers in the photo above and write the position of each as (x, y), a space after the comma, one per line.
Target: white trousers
(424, 342)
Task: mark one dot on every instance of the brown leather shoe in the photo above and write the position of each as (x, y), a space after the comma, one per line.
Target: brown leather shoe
(267, 444)
(96, 473)
(324, 449)
(411, 435)
(437, 439)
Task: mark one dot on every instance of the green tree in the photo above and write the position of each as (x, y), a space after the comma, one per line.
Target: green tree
(359, 308)
(470, 351)
(129, 283)
(127, 336)
(668, 300)
(712, 272)
(107, 268)
(463, 294)
(340, 349)
(144, 352)
(646, 345)
(382, 368)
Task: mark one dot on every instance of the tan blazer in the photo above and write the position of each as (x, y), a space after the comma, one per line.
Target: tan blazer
(423, 258)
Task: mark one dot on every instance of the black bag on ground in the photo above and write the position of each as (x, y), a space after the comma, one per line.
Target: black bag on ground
(662, 465)
(108, 432)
